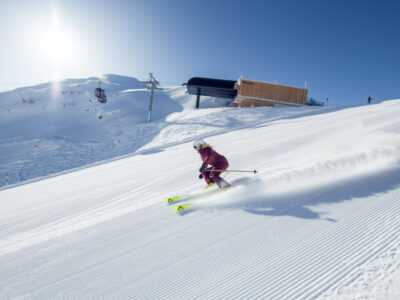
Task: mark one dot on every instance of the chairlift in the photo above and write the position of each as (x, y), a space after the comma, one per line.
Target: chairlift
(100, 94)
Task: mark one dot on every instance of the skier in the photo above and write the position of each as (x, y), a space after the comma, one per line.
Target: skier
(218, 163)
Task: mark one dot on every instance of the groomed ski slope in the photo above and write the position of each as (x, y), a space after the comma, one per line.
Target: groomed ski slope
(321, 220)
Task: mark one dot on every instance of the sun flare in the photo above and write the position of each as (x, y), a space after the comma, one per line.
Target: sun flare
(57, 45)
(56, 42)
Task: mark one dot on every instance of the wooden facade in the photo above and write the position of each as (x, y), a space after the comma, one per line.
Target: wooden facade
(257, 93)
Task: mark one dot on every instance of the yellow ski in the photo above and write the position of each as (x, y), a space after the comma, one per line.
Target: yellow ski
(177, 199)
(184, 208)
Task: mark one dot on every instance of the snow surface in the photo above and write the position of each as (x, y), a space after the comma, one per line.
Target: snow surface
(319, 221)
(57, 126)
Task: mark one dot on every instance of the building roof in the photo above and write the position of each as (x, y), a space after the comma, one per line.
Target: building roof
(270, 83)
(212, 87)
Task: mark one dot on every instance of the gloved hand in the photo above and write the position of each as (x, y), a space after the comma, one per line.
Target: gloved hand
(203, 166)
(201, 176)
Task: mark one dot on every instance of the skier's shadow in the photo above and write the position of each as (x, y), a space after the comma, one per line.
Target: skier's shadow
(302, 204)
(285, 206)
(257, 201)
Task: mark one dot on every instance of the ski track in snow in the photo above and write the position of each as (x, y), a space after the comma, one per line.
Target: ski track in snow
(319, 221)
(319, 264)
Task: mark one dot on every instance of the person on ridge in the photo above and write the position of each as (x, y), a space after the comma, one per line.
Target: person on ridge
(218, 164)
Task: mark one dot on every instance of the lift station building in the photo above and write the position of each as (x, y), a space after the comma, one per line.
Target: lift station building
(248, 93)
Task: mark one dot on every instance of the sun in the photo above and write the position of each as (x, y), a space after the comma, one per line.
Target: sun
(55, 42)
(57, 45)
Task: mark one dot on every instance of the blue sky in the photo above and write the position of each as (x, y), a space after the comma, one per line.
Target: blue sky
(343, 50)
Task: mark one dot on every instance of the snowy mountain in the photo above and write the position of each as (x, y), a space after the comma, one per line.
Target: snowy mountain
(319, 221)
(58, 126)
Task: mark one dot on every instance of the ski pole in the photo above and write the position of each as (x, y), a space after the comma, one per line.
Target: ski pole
(242, 171)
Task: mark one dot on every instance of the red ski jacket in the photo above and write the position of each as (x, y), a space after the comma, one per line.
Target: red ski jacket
(210, 157)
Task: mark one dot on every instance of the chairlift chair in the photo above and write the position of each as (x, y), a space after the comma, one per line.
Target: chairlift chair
(100, 94)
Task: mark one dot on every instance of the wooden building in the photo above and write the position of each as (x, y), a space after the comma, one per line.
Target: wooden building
(247, 93)
(258, 93)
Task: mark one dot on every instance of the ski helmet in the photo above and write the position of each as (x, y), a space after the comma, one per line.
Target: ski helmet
(198, 143)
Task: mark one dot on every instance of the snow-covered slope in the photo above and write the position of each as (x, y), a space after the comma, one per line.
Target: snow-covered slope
(58, 126)
(320, 219)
